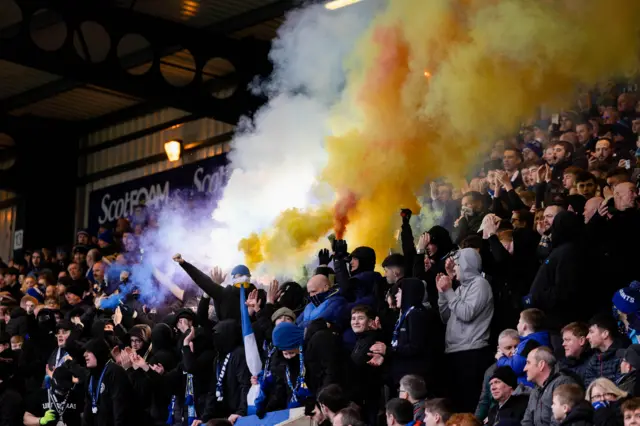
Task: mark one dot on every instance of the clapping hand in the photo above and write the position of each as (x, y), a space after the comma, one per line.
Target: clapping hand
(376, 360)
(139, 362)
(158, 368)
(378, 348)
(490, 225)
(443, 282)
(450, 267)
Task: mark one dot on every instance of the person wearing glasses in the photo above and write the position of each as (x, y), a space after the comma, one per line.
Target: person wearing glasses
(607, 399)
(414, 389)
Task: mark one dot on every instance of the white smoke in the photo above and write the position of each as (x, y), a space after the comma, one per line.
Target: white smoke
(277, 156)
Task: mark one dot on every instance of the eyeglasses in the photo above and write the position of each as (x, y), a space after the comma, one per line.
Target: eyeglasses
(602, 397)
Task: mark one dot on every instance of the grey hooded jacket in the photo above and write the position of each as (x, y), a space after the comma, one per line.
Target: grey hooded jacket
(538, 411)
(468, 310)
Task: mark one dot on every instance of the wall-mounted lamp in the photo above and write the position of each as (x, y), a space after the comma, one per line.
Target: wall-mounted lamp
(337, 4)
(173, 149)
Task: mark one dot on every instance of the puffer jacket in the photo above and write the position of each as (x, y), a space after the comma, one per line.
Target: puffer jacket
(538, 412)
(468, 310)
(518, 361)
(578, 365)
(604, 364)
(332, 309)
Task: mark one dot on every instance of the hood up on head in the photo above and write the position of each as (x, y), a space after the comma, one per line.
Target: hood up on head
(366, 259)
(100, 349)
(567, 227)
(162, 337)
(227, 335)
(412, 293)
(314, 327)
(292, 296)
(46, 322)
(441, 238)
(470, 265)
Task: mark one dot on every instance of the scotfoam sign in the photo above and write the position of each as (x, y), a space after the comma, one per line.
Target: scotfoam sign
(109, 204)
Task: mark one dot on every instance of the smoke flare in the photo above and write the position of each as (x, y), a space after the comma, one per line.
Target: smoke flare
(490, 65)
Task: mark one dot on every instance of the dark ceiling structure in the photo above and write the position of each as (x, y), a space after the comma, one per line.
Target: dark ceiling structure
(71, 67)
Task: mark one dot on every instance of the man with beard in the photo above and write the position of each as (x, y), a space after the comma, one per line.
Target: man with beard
(59, 405)
(472, 213)
(110, 397)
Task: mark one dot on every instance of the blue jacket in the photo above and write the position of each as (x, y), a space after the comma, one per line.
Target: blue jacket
(331, 310)
(519, 358)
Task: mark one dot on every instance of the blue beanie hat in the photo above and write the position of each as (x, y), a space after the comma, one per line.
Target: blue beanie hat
(240, 270)
(33, 292)
(535, 147)
(106, 237)
(287, 336)
(627, 300)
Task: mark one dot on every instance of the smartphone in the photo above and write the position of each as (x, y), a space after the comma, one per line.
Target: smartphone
(627, 164)
(555, 119)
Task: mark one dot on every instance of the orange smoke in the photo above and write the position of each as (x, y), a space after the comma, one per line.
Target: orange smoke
(341, 211)
(488, 65)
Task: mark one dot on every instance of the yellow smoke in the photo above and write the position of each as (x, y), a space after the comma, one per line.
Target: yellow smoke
(432, 83)
(293, 234)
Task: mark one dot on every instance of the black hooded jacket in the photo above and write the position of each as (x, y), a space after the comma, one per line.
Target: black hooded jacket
(198, 362)
(512, 275)
(412, 354)
(562, 287)
(146, 384)
(363, 286)
(365, 381)
(36, 349)
(163, 347)
(226, 300)
(321, 358)
(439, 237)
(117, 403)
(236, 382)
(619, 237)
(19, 323)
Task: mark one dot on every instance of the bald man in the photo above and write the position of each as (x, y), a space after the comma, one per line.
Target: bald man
(624, 196)
(325, 302)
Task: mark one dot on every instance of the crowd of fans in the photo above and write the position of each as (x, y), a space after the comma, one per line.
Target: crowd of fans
(520, 307)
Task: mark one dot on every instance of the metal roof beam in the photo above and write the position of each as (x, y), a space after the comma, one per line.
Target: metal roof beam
(249, 58)
(254, 17)
(37, 94)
